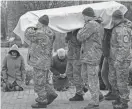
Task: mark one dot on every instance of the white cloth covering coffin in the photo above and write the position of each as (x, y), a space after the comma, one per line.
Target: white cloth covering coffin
(66, 19)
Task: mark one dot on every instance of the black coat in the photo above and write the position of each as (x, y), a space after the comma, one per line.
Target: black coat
(58, 66)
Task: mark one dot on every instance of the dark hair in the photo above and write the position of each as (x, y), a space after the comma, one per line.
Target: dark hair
(44, 19)
(10, 52)
(88, 12)
(75, 32)
(117, 14)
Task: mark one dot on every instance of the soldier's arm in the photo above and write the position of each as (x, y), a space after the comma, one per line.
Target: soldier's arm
(85, 32)
(30, 33)
(123, 48)
(128, 23)
(54, 37)
(4, 68)
(23, 67)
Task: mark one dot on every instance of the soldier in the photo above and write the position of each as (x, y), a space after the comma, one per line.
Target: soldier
(119, 60)
(73, 69)
(39, 57)
(91, 36)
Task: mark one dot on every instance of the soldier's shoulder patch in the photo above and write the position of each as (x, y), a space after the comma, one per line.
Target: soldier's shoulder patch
(126, 38)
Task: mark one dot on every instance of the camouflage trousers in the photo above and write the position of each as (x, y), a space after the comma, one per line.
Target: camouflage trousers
(73, 71)
(118, 77)
(91, 79)
(41, 85)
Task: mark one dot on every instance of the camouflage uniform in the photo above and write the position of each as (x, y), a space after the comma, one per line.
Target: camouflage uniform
(39, 57)
(120, 59)
(91, 36)
(73, 69)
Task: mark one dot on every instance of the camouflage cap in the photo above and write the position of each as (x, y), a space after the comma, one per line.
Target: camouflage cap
(88, 12)
(117, 14)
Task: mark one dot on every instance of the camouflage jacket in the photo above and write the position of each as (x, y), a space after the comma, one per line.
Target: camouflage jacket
(40, 49)
(120, 43)
(74, 47)
(91, 36)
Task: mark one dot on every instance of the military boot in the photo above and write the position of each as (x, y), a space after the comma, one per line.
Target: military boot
(112, 97)
(101, 97)
(120, 106)
(116, 102)
(38, 105)
(51, 98)
(85, 89)
(38, 100)
(77, 97)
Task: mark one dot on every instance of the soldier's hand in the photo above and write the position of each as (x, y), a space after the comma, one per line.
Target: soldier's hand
(63, 75)
(31, 30)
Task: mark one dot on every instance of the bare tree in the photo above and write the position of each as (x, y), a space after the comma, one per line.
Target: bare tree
(4, 16)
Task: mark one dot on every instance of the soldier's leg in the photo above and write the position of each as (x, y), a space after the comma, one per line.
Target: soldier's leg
(51, 94)
(93, 81)
(39, 88)
(84, 74)
(122, 80)
(84, 77)
(39, 85)
(78, 82)
(69, 70)
(113, 81)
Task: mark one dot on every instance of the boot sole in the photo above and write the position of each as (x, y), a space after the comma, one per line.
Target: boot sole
(40, 102)
(91, 107)
(39, 106)
(76, 100)
(110, 99)
(101, 100)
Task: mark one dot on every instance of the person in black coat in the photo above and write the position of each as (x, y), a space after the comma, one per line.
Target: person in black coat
(58, 67)
(105, 63)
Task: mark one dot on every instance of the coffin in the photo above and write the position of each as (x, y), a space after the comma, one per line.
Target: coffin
(66, 19)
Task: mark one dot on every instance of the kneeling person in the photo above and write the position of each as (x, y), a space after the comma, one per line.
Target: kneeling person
(13, 69)
(58, 67)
